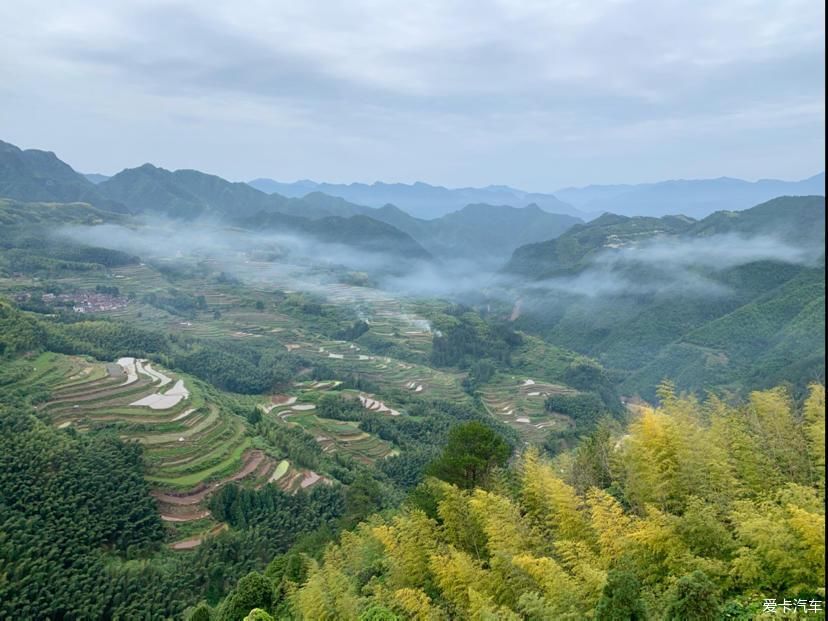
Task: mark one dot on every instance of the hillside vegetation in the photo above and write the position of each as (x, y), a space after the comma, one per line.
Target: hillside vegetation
(698, 511)
(218, 404)
(646, 297)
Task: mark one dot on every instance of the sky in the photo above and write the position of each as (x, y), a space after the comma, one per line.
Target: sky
(537, 94)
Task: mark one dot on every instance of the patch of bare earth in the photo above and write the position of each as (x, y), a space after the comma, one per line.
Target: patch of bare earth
(194, 542)
(252, 461)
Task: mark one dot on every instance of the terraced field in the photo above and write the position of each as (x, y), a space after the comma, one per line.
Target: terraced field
(388, 373)
(191, 447)
(395, 320)
(519, 402)
(332, 435)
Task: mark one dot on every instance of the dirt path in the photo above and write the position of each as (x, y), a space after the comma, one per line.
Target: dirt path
(194, 542)
(185, 516)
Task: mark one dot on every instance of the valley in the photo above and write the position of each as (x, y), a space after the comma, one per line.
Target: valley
(268, 377)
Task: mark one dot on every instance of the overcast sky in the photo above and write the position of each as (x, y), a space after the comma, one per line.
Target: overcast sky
(532, 93)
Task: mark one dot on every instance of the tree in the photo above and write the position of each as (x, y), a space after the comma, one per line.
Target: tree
(695, 598)
(621, 599)
(362, 497)
(252, 591)
(201, 612)
(472, 451)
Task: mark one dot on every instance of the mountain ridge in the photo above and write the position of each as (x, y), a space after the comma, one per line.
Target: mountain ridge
(420, 199)
(692, 197)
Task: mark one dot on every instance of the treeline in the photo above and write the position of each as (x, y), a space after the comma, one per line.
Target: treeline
(27, 253)
(463, 338)
(67, 503)
(176, 302)
(420, 435)
(698, 510)
(229, 365)
(239, 367)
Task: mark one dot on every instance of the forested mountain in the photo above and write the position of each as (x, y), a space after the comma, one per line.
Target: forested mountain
(39, 176)
(721, 301)
(186, 194)
(790, 219)
(691, 197)
(574, 248)
(421, 200)
(479, 231)
(358, 231)
(19, 214)
(484, 231)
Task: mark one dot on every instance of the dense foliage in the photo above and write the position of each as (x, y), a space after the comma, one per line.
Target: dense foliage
(710, 509)
(473, 450)
(462, 338)
(64, 501)
(755, 323)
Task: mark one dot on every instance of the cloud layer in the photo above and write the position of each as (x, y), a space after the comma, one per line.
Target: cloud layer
(534, 93)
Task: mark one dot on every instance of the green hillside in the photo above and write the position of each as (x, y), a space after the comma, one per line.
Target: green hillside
(39, 176)
(185, 193)
(569, 251)
(777, 338)
(659, 320)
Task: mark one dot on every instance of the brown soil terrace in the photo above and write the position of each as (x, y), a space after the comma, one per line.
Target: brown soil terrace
(252, 461)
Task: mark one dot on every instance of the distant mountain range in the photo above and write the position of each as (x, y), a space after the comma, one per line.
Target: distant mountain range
(479, 232)
(420, 200)
(474, 231)
(696, 198)
(470, 223)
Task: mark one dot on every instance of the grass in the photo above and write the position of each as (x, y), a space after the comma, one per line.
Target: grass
(281, 470)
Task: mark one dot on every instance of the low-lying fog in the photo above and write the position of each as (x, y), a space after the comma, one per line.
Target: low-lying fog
(292, 261)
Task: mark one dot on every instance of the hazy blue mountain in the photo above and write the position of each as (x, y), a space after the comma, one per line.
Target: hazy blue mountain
(696, 197)
(190, 194)
(297, 189)
(471, 232)
(421, 200)
(358, 231)
(39, 176)
(581, 197)
(479, 231)
(319, 205)
(96, 178)
(186, 193)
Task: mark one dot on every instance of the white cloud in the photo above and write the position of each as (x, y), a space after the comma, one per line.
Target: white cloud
(531, 92)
